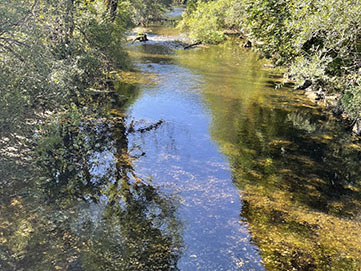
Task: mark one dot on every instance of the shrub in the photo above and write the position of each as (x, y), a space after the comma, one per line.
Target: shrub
(317, 40)
(207, 22)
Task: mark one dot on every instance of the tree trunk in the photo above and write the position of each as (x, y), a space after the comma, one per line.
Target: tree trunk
(69, 21)
(112, 7)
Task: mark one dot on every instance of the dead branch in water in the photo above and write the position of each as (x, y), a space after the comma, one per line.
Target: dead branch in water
(192, 45)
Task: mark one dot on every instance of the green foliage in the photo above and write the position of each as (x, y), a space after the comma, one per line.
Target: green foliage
(207, 21)
(318, 40)
(103, 39)
(145, 11)
(307, 67)
(351, 100)
(267, 22)
(51, 52)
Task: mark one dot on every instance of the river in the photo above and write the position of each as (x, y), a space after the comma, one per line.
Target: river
(265, 179)
(206, 163)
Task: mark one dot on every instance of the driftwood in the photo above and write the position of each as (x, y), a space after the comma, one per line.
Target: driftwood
(192, 45)
(141, 38)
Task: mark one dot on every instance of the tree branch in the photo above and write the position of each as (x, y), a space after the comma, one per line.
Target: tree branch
(22, 20)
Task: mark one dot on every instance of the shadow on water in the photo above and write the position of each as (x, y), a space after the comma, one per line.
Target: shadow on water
(297, 167)
(78, 204)
(83, 207)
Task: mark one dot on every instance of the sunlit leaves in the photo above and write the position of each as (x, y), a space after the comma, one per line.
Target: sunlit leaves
(207, 21)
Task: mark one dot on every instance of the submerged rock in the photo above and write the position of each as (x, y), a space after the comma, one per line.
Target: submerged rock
(142, 37)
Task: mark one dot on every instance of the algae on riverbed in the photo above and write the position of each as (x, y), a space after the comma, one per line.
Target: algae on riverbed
(297, 168)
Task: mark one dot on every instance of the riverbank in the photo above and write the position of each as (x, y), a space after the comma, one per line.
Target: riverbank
(316, 42)
(295, 167)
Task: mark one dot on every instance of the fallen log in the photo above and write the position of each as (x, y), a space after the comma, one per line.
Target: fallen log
(141, 38)
(192, 45)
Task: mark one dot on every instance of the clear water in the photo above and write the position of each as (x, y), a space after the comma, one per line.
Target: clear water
(203, 165)
(266, 179)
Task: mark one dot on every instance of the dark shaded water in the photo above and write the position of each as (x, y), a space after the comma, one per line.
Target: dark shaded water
(203, 166)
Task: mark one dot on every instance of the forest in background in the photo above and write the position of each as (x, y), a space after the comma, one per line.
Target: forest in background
(319, 42)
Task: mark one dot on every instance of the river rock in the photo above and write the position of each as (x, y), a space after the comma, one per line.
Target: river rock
(305, 85)
(332, 100)
(312, 95)
(357, 127)
(247, 44)
(320, 95)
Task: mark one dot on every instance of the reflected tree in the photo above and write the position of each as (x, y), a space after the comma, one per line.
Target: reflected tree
(141, 233)
(301, 190)
(98, 214)
(298, 171)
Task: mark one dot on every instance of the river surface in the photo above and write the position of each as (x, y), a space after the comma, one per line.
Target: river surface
(204, 163)
(182, 158)
(265, 179)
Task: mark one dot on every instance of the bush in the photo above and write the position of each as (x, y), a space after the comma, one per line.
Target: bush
(331, 31)
(267, 21)
(51, 53)
(208, 21)
(351, 100)
(319, 41)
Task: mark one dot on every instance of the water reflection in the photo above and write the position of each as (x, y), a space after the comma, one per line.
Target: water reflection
(85, 208)
(297, 167)
(184, 160)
